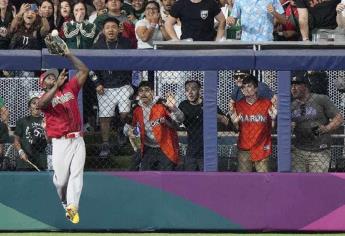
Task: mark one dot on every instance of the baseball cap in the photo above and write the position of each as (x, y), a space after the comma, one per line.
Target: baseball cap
(45, 74)
(300, 77)
(31, 100)
(241, 73)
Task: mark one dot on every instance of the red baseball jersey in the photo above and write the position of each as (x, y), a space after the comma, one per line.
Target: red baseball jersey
(62, 114)
(255, 128)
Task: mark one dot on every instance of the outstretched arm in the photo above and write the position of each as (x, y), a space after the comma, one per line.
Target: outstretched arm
(82, 70)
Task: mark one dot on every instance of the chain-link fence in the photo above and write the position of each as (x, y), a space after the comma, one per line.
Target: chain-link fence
(27, 147)
(107, 108)
(314, 118)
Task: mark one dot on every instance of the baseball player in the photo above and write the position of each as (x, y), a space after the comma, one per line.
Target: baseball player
(63, 125)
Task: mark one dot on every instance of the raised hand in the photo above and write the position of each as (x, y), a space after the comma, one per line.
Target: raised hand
(170, 101)
(62, 78)
(23, 8)
(232, 111)
(340, 7)
(270, 8)
(230, 20)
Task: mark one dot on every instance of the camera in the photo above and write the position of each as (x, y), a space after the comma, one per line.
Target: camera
(33, 7)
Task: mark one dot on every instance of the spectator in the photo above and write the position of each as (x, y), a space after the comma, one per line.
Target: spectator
(4, 137)
(314, 118)
(165, 9)
(114, 10)
(7, 13)
(253, 117)
(165, 12)
(197, 20)
(233, 31)
(314, 15)
(100, 9)
(237, 94)
(88, 5)
(64, 14)
(127, 7)
(4, 113)
(46, 10)
(28, 29)
(30, 139)
(126, 27)
(257, 18)
(79, 33)
(156, 121)
(291, 29)
(151, 27)
(341, 15)
(192, 109)
(138, 11)
(113, 87)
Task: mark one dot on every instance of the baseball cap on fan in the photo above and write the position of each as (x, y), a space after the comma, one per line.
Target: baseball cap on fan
(300, 77)
(43, 76)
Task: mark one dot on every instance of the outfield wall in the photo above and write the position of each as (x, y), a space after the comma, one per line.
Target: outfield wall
(150, 201)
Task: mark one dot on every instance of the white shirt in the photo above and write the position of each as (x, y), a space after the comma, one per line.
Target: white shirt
(157, 35)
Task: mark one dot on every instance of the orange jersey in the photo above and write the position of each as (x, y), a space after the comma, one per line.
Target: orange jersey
(165, 136)
(255, 128)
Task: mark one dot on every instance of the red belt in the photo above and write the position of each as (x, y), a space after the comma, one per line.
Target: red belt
(73, 135)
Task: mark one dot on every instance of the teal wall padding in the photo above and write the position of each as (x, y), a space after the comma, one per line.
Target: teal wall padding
(148, 201)
(107, 203)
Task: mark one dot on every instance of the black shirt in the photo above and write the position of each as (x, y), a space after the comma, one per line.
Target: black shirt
(32, 135)
(322, 14)
(113, 79)
(193, 121)
(197, 19)
(194, 125)
(3, 133)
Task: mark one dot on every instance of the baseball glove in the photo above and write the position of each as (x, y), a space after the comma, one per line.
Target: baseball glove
(56, 45)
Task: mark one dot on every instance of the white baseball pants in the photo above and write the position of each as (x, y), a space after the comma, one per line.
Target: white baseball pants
(68, 161)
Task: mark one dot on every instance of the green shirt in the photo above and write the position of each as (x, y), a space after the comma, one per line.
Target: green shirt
(79, 35)
(234, 31)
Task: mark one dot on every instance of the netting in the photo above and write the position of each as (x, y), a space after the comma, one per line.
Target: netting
(107, 146)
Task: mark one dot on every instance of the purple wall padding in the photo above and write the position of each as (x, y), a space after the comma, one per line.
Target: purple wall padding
(274, 201)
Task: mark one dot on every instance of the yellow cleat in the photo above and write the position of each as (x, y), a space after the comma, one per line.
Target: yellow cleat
(72, 214)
